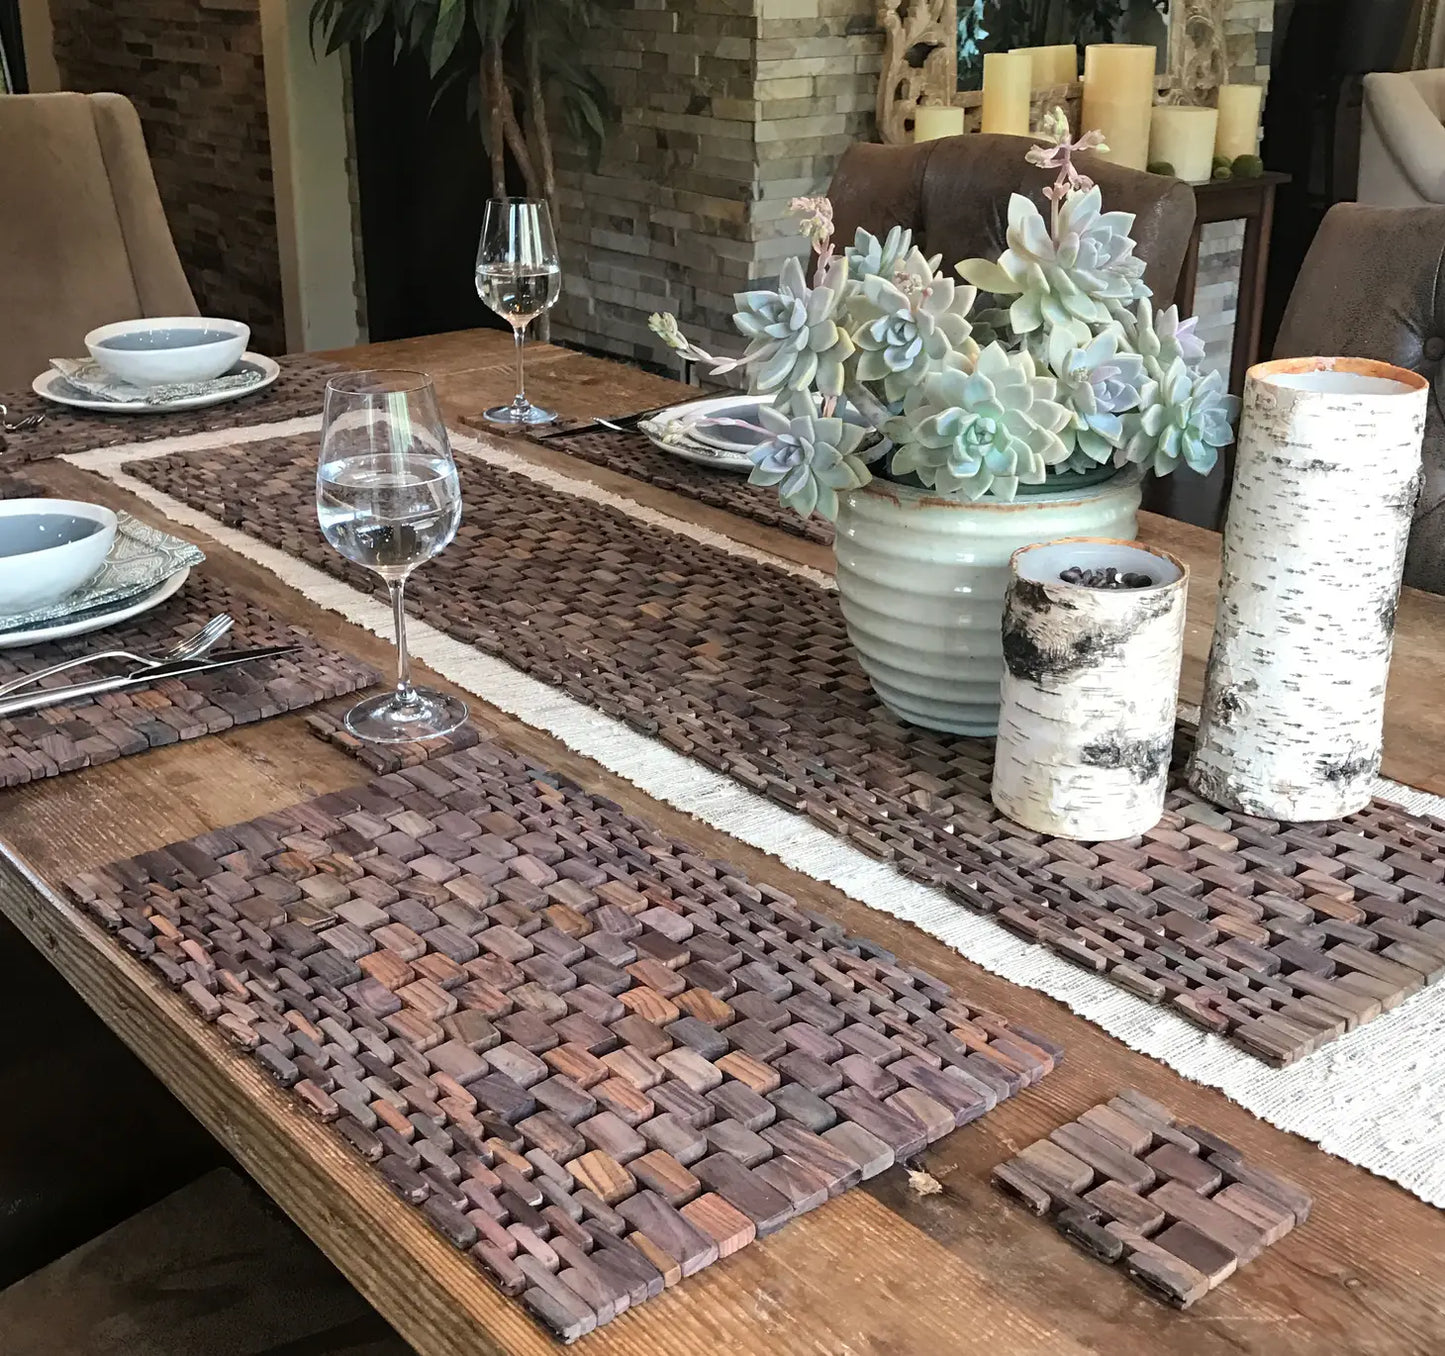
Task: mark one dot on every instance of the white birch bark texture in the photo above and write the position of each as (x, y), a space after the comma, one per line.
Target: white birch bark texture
(1090, 681)
(1325, 482)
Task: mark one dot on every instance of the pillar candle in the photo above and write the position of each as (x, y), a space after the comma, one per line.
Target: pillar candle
(1184, 137)
(1238, 133)
(1053, 65)
(1007, 83)
(932, 121)
(1118, 98)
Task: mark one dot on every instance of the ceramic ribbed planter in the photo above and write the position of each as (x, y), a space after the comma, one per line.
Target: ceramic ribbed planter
(921, 579)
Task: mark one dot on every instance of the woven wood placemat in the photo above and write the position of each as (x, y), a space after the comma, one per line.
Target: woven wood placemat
(59, 739)
(1281, 937)
(632, 455)
(594, 1059)
(297, 391)
(1180, 1207)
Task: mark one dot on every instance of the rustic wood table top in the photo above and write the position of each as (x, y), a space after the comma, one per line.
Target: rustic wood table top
(878, 1269)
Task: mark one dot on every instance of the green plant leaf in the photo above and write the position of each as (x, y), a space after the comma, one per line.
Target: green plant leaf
(451, 19)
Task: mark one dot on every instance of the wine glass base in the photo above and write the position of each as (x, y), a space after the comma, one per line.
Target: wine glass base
(388, 720)
(513, 417)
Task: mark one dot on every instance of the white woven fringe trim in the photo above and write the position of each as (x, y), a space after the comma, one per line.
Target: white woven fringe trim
(1373, 1097)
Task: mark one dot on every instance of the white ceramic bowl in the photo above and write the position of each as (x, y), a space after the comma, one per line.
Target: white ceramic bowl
(48, 549)
(160, 350)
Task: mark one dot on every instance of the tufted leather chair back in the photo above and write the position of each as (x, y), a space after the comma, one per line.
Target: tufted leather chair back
(1373, 286)
(954, 194)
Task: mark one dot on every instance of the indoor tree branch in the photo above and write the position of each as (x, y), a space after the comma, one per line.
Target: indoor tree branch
(504, 108)
(537, 116)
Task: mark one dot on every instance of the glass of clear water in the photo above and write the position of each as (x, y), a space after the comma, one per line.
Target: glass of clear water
(519, 277)
(388, 498)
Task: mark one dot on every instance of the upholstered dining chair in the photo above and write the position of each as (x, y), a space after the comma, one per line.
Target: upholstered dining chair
(83, 238)
(1373, 286)
(954, 194)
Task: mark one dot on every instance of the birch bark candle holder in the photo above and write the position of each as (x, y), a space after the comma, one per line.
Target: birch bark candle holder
(1325, 481)
(1089, 689)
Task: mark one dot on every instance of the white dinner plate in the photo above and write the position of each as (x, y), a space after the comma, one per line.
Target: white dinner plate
(131, 607)
(675, 430)
(52, 386)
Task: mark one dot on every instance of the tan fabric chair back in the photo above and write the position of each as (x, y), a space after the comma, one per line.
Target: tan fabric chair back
(954, 195)
(83, 237)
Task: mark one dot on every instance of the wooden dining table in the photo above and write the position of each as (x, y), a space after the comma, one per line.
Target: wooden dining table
(883, 1269)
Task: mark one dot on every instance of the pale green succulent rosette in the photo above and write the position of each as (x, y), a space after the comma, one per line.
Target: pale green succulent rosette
(1183, 416)
(1099, 383)
(868, 257)
(808, 456)
(981, 428)
(1067, 285)
(909, 324)
(794, 337)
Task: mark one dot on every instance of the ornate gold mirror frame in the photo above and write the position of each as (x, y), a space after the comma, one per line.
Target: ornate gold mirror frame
(920, 62)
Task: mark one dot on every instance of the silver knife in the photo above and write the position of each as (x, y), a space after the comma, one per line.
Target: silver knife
(54, 696)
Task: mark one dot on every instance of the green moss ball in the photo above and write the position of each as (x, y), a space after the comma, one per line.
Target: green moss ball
(1161, 167)
(1248, 167)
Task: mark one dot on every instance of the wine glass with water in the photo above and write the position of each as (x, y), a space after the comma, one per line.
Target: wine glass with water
(388, 498)
(519, 277)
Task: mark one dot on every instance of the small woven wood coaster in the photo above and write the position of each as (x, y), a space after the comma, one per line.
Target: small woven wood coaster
(1281, 937)
(632, 455)
(60, 739)
(297, 391)
(593, 1058)
(1180, 1207)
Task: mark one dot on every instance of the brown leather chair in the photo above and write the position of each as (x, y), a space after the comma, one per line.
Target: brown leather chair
(1373, 286)
(83, 238)
(954, 194)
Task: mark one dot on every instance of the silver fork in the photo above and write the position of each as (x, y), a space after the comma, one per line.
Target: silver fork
(20, 425)
(192, 647)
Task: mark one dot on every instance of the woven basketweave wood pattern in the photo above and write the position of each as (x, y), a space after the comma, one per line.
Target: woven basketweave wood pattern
(1280, 937)
(594, 1059)
(60, 739)
(296, 392)
(1181, 1208)
(633, 455)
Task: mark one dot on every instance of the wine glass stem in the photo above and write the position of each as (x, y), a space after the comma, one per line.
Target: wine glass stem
(519, 333)
(405, 694)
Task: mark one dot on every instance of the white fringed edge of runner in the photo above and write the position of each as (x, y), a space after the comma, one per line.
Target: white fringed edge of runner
(1373, 1097)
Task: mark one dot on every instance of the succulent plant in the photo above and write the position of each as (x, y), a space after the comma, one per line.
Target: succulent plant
(908, 324)
(1183, 415)
(808, 456)
(795, 340)
(1067, 278)
(1099, 383)
(868, 257)
(981, 428)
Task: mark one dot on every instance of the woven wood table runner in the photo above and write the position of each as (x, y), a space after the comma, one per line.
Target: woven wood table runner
(1180, 1207)
(1281, 937)
(632, 455)
(59, 739)
(593, 1058)
(296, 392)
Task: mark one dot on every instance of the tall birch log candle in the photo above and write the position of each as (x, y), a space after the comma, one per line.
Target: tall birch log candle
(1325, 481)
(1090, 682)
(1118, 99)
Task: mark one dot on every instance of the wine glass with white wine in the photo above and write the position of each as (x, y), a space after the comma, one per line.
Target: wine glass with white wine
(388, 498)
(519, 277)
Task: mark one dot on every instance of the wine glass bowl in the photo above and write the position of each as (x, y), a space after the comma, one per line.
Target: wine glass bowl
(388, 498)
(519, 277)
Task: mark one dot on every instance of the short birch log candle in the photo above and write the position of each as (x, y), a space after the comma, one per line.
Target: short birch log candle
(1090, 682)
(1325, 481)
